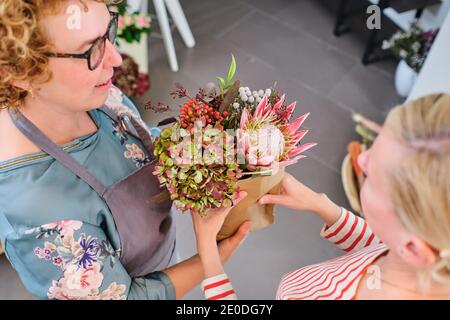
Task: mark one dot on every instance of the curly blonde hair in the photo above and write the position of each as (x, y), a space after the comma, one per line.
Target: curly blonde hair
(421, 186)
(23, 46)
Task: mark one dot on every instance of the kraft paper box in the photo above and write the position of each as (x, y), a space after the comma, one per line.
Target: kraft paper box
(248, 208)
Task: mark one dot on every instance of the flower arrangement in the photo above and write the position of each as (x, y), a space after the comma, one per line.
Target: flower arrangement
(412, 46)
(127, 77)
(132, 25)
(224, 134)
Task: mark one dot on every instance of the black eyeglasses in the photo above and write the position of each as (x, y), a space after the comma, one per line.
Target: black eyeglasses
(94, 55)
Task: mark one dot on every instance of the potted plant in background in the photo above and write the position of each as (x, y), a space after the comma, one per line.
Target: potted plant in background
(412, 48)
(132, 35)
(129, 79)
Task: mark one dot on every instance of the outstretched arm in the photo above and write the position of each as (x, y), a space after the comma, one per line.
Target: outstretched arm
(342, 227)
(216, 284)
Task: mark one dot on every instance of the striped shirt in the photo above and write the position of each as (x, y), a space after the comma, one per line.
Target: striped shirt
(335, 279)
(218, 288)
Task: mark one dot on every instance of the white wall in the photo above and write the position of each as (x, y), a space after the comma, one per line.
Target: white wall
(138, 5)
(432, 17)
(435, 73)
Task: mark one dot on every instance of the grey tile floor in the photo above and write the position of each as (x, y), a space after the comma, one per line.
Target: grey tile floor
(289, 42)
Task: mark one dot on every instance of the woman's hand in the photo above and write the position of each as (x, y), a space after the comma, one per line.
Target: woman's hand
(293, 194)
(229, 245)
(206, 229)
(297, 196)
(189, 273)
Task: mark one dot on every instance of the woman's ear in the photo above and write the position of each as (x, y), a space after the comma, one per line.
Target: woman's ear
(417, 253)
(3, 73)
(363, 160)
(22, 84)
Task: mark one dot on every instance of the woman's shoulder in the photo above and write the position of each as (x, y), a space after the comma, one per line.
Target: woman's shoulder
(13, 143)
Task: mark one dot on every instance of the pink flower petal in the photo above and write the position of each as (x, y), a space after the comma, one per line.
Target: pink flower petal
(260, 109)
(290, 110)
(268, 109)
(297, 122)
(264, 161)
(279, 104)
(244, 118)
(296, 137)
(291, 161)
(301, 149)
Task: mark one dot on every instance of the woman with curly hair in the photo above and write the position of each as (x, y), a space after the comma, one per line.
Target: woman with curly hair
(81, 216)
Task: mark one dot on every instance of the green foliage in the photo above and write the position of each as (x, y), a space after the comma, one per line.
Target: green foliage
(225, 84)
(195, 185)
(412, 46)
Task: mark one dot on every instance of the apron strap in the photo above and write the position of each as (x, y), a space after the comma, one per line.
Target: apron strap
(119, 120)
(132, 126)
(45, 144)
(114, 116)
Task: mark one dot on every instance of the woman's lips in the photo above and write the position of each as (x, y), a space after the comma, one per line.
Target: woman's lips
(107, 84)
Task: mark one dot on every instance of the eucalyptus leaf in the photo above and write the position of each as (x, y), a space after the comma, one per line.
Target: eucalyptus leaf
(222, 81)
(232, 70)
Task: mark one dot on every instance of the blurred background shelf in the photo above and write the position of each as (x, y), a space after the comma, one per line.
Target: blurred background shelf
(402, 12)
(431, 14)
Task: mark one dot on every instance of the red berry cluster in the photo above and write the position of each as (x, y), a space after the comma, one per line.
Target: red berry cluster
(195, 110)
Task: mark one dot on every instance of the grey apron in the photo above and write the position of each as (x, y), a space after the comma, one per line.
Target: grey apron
(140, 210)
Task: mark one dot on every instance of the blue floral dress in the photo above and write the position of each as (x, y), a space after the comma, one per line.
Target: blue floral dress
(56, 231)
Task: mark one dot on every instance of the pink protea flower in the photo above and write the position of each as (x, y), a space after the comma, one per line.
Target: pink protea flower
(268, 140)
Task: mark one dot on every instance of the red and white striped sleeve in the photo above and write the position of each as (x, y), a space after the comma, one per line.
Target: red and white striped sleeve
(218, 288)
(350, 233)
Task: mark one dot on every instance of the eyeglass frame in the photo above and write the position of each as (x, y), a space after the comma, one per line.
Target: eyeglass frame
(87, 54)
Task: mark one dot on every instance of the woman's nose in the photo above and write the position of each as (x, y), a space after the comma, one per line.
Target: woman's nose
(112, 56)
(363, 159)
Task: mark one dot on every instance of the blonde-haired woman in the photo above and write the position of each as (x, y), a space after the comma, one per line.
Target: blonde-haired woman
(402, 249)
(81, 216)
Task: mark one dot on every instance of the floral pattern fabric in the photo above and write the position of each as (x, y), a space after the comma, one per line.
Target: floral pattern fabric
(80, 259)
(116, 102)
